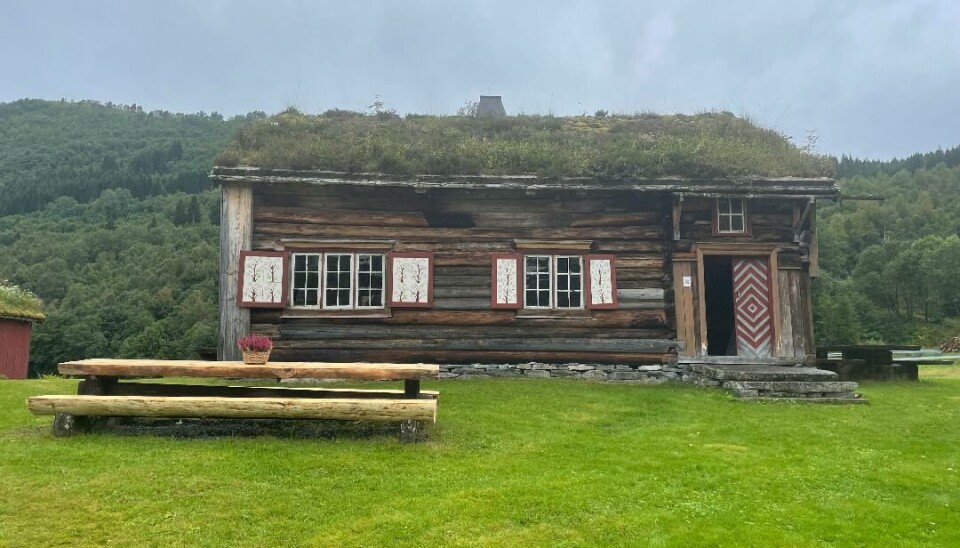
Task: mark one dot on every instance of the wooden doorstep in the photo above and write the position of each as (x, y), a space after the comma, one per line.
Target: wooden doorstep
(275, 370)
(237, 408)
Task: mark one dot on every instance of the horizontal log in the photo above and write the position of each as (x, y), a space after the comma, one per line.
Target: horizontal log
(475, 271)
(459, 234)
(289, 370)
(653, 294)
(486, 356)
(595, 318)
(340, 331)
(659, 283)
(452, 246)
(461, 303)
(501, 344)
(620, 219)
(627, 262)
(628, 246)
(443, 292)
(442, 280)
(237, 408)
(630, 274)
(206, 390)
(327, 216)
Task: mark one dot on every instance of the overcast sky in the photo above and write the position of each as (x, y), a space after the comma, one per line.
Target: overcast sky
(872, 78)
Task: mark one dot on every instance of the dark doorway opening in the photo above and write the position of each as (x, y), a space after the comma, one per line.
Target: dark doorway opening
(718, 290)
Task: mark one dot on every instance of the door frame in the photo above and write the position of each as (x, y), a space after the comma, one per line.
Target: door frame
(752, 250)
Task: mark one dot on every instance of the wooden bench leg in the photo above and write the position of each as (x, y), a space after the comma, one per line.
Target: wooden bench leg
(411, 431)
(94, 386)
(66, 425)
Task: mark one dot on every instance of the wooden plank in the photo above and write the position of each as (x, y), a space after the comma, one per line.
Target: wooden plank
(770, 185)
(233, 369)
(596, 319)
(568, 344)
(685, 313)
(459, 234)
(235, 236)
(206, 390)
(237, 408)
(336, 216)
(480, 356)
(814, 268)
(326, 331)
(640, 294)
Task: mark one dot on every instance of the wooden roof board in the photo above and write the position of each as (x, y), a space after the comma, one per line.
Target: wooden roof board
(747, 186)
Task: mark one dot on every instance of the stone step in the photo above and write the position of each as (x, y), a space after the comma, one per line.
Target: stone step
(834, 401)
(770, 373)
(792, 387)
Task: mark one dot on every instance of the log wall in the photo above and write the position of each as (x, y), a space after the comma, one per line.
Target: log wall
(463, 228)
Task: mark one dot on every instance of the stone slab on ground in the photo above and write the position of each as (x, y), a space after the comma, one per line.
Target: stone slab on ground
(751, 372)
(794, 387)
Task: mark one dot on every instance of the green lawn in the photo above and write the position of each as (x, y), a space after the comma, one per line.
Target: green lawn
(511, 463)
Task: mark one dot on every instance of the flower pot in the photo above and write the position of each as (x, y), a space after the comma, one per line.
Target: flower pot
(255, 357)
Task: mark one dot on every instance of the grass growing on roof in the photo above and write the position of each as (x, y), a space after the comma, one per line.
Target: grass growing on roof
(511, 463)
(16, 302)
(708, 145)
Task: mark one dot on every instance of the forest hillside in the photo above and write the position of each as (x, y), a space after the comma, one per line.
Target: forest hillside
(107, 214)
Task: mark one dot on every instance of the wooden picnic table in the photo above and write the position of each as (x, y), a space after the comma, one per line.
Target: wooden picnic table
(111, 387)
(866, 361)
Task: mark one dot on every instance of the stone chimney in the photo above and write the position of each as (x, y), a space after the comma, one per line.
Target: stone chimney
(491, 106)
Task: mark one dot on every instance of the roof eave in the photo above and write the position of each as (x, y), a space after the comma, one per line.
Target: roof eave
(752, 186)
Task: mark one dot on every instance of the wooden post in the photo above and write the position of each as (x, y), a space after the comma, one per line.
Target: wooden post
(411, 388)
(236, 235)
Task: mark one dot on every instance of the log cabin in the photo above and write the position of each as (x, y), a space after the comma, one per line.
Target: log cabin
(625, 241)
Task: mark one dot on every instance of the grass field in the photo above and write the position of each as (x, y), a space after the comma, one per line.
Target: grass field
(511, 463)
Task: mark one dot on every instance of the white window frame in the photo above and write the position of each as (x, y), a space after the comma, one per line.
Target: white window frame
(293, 277)
(351, 276)
(383, 281)
(730, 215)
(552, 266)
(354, 296)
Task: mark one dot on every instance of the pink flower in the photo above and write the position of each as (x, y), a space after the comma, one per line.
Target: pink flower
(256, 343)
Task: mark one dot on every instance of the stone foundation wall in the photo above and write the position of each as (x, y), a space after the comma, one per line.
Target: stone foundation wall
(651, 374)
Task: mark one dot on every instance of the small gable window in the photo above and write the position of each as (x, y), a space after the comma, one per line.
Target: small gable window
(731, 216)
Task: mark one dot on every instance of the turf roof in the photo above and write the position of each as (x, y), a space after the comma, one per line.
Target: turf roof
(19, 303)
(709, 145)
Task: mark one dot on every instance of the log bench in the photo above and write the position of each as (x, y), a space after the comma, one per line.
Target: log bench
(101, 393)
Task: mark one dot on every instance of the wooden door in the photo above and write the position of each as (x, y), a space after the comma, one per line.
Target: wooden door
(752, 307)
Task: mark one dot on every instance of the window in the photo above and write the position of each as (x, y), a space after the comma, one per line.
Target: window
(350, 280)
(731, 216)
(553, 281)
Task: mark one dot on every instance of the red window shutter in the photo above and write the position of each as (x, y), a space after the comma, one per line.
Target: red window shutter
(410, 280)
(263, 279)
(601, 281)
(506, 291)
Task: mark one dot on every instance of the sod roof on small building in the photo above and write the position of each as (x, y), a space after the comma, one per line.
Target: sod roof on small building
(19, 303)
(714, 145)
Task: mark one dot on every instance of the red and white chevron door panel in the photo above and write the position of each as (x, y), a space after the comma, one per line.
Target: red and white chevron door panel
(752, 308)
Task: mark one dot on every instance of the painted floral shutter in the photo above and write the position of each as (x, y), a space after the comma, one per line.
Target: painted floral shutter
(263, 279)
(505, 286)
(601, 282)
(410, 281)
